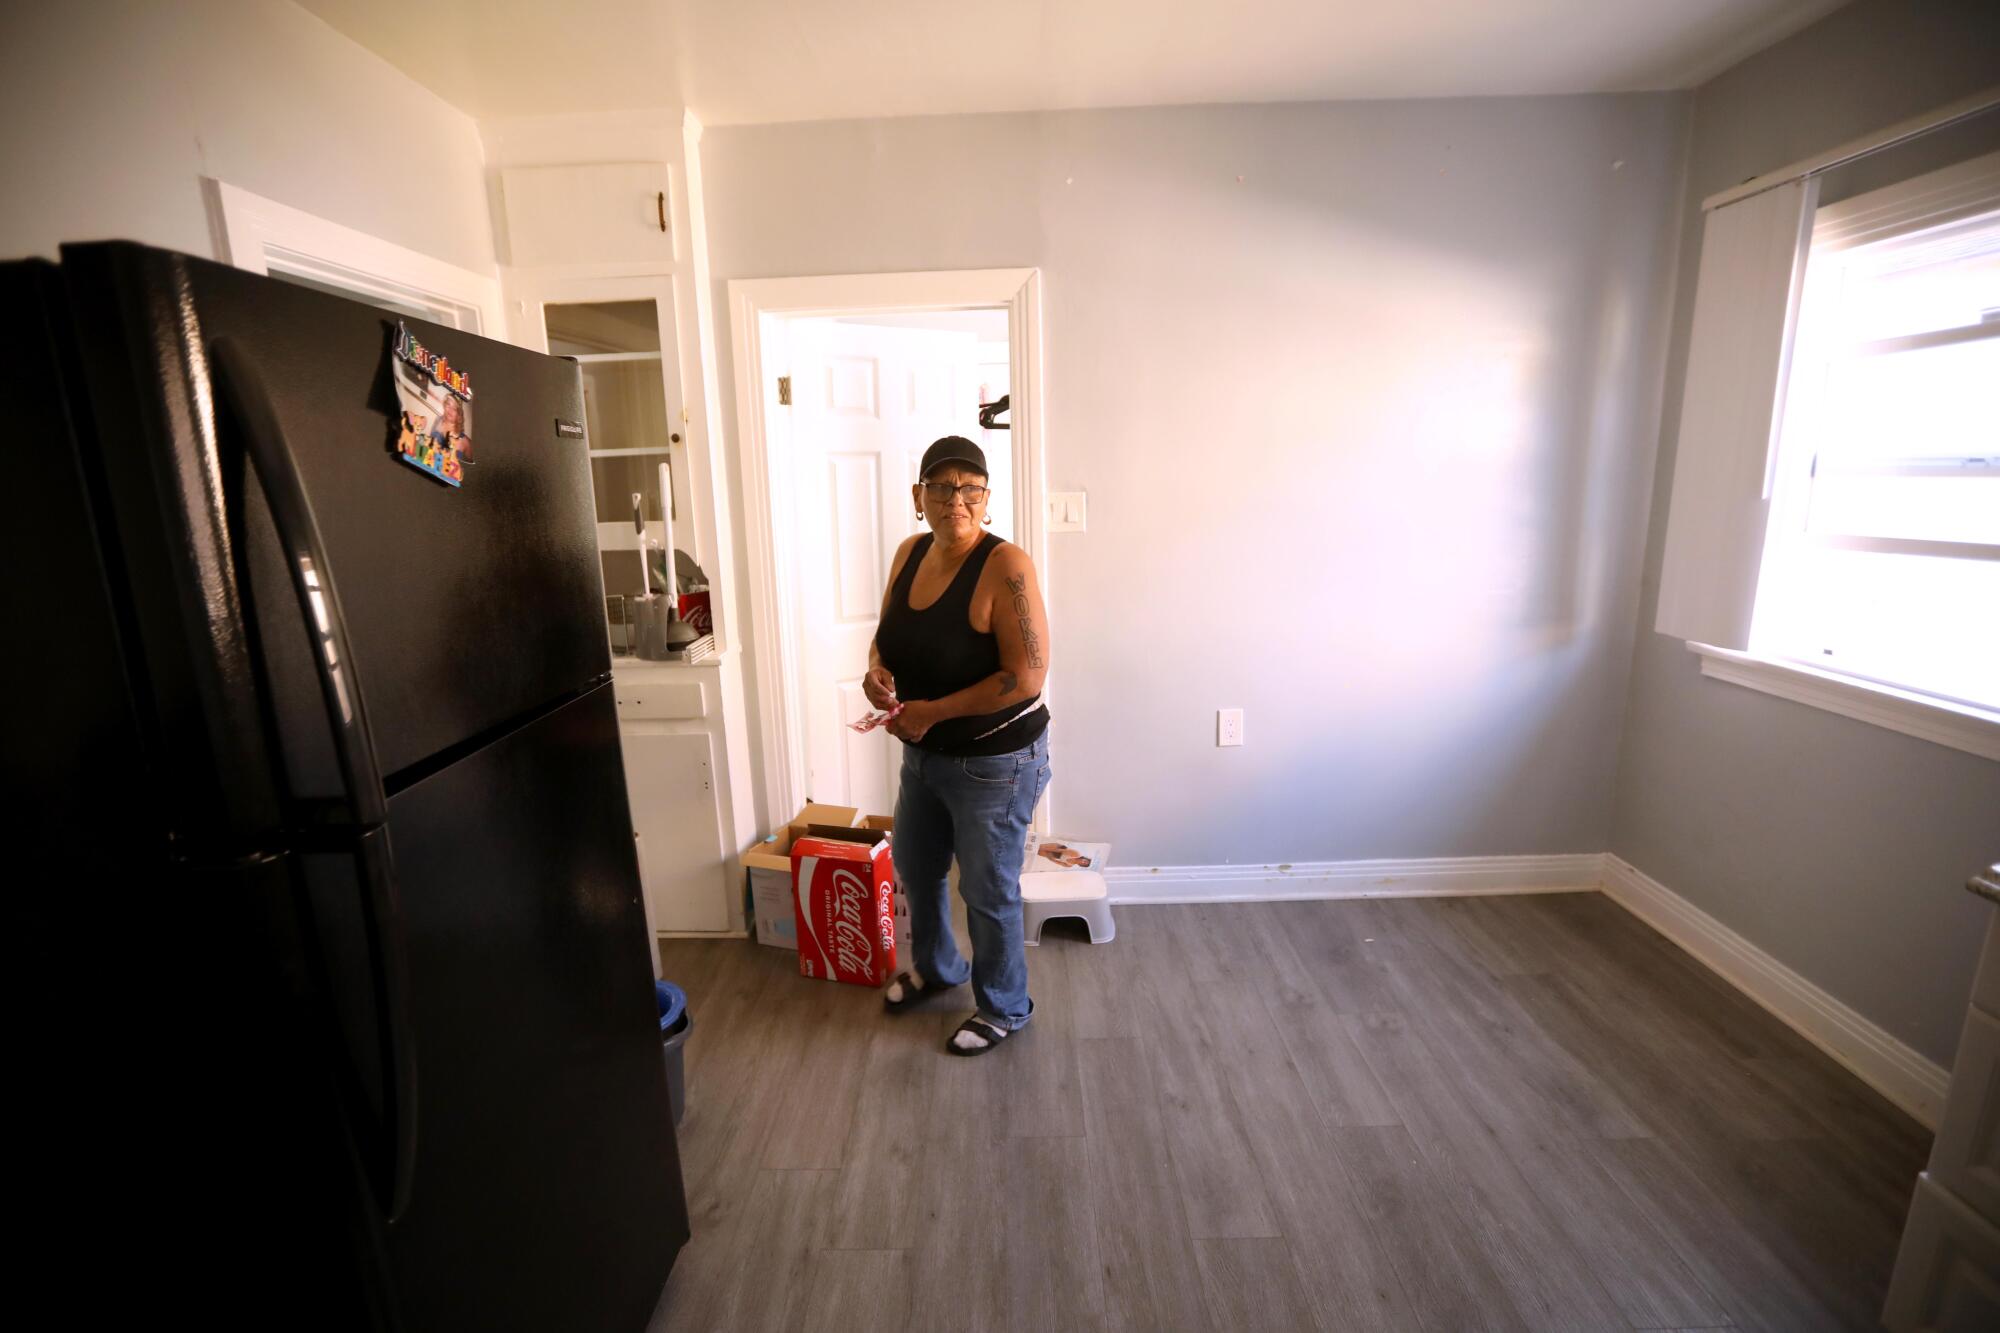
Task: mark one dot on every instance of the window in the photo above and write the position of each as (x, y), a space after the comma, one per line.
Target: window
(303, 271)
(1881, 560)
(268, 237)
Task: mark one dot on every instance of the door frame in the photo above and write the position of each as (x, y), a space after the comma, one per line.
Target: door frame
(754, 305)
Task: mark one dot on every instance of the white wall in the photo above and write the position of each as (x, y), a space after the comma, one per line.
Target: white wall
(1365, 399)
(114, 109)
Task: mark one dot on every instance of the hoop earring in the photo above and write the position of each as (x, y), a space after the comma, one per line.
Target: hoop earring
(920, 516)
(988, 520)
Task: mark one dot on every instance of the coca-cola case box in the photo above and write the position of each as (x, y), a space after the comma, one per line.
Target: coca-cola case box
(844, 888)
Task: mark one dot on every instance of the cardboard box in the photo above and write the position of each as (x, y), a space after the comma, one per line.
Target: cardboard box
(887, 823)
(845, 895)
(768, 869)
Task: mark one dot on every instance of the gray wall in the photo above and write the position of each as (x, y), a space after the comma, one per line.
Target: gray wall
(1365, 398)
(1834, 845)
(115, 109)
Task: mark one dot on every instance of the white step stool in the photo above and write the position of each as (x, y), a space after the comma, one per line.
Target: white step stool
(1054, 893)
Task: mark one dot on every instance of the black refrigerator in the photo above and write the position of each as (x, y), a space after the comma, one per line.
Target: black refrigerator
(319, 782)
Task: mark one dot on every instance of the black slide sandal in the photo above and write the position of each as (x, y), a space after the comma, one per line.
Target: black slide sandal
(913, 995)
(981, 1029)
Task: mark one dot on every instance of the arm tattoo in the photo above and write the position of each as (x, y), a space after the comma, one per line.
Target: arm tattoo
(1031, 641)
(1009, 682)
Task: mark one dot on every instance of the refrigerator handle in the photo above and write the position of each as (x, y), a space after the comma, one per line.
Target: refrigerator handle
(242, 391)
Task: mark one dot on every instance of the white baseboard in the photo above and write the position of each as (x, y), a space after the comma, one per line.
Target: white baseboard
(1429, 877)
(1885, 1064)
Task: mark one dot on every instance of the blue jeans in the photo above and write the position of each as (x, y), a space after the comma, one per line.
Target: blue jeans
(977, 808)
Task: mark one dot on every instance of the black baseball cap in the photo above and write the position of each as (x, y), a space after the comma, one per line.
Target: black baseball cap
(954, 449)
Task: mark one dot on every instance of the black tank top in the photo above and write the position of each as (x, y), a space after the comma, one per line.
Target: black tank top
(935, 652)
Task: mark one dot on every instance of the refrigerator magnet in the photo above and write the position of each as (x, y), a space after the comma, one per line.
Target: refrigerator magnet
(434, 432)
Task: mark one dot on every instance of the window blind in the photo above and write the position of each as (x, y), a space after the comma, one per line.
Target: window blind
(1753, 254)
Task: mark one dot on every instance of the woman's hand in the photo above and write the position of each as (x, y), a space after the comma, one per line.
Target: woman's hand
(915, 719)
(880, 687)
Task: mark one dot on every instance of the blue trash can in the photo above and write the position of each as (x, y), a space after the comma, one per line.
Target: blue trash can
(675, 1024)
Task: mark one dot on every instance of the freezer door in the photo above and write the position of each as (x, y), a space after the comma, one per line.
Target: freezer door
(547, 1188)
(467, 606)
(177, 1094)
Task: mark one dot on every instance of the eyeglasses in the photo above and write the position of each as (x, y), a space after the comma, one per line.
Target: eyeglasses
(940, 492)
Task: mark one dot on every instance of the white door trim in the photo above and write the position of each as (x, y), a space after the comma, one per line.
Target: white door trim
(753, 301)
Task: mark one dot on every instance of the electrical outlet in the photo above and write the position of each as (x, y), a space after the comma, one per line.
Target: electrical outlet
(1229, 726)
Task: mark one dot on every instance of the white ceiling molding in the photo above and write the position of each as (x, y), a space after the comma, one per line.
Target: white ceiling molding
(755, 61)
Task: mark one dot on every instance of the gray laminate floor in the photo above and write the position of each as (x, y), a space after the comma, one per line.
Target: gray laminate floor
(1522, 1113)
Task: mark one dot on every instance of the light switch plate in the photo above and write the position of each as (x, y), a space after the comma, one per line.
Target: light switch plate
(1066, 511)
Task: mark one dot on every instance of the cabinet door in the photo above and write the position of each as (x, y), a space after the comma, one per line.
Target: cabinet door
(1986, 983)
(671, 783)
(1966, 1157)
(595, 214)
(627, 353)
(1947, 1277)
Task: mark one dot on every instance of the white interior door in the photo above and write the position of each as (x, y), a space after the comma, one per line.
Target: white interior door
(866, 402)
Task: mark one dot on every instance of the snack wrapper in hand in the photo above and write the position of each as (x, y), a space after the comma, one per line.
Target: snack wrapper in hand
(874, 720)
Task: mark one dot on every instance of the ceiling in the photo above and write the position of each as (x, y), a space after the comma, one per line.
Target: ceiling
(748, 61)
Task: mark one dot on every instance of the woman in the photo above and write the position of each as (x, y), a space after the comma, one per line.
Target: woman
(449, 432)
(962, 650)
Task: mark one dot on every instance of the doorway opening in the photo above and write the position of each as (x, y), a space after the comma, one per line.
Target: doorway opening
(842, 383)
(868, 395)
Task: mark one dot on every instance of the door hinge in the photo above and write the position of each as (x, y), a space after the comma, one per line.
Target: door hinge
(784, 391)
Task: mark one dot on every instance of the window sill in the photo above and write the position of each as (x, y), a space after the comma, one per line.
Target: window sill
(1962, 728)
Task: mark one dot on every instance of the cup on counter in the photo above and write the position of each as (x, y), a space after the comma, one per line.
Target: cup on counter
(650, 627)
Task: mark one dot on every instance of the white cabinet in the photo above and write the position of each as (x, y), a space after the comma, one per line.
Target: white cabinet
(1948, 1270)
(629, 336)
(1947, 1277)
(670, 780)
(677, 780)
(597, 269)
(595, 213)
